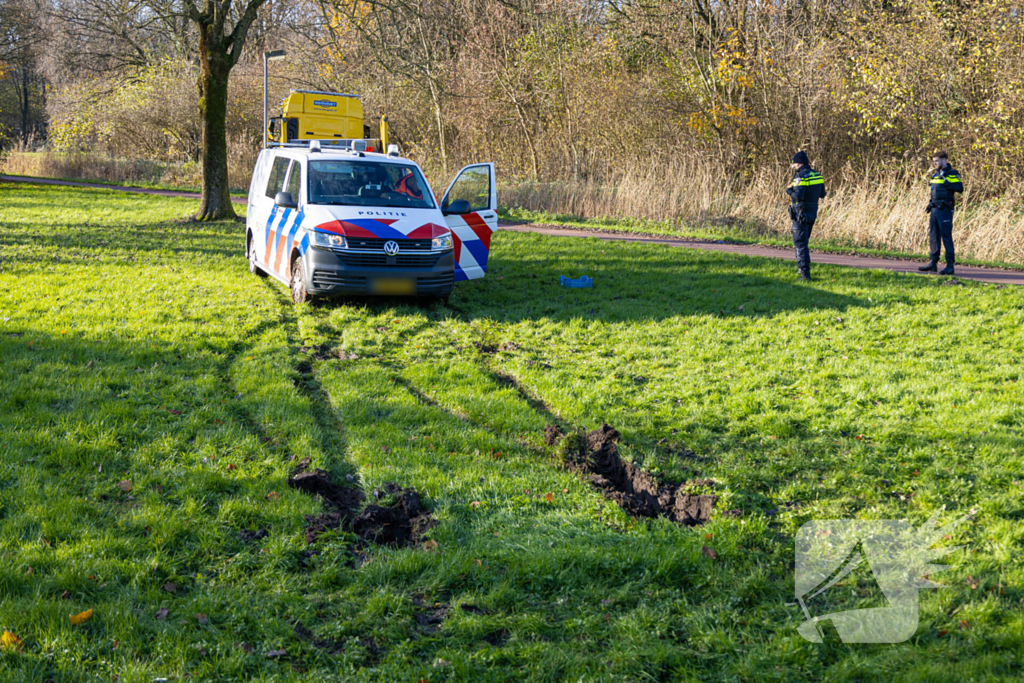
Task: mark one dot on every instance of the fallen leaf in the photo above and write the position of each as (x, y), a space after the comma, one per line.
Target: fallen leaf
(232, 466)
(170, 587)
(709, 552)
(11, 642)
(430, 545)
(81, 617)
(162, 613)
(172, 411)
(972, 582)
(277, 653)
(942, 633)
(565, 490)
(273, 495)
(478, 563)
(125, 485)
(549, 497)
(708, 537)
(117, 644)
(201, 618)
(475, 504)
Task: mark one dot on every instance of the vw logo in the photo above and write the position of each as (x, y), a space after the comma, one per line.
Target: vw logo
(391, 247)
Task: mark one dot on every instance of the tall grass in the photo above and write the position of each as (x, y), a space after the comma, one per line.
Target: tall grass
(90, 166)
(878, 213)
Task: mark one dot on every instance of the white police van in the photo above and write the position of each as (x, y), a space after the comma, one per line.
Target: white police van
(337, 220)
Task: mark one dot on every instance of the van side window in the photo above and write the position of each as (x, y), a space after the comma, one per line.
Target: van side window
(474, 186)
(295, 181)
(277, 172)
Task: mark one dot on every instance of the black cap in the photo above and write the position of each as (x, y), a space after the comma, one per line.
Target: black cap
(801, 158)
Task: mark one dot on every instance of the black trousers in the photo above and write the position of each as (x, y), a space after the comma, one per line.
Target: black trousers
(940, 234)
(802, 224)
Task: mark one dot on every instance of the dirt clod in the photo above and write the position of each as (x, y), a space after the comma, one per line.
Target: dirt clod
(402, 522)
(341, 499)
(551, 435)
(638, 493)
(429, 617)
(246, 535)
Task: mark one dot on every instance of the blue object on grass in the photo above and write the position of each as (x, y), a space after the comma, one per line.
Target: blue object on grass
(576, 284)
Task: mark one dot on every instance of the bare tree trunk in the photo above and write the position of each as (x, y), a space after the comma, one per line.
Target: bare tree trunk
(213, 105)
(23, 104)
(435, 95)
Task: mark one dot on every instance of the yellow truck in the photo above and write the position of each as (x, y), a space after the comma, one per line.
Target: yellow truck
(316, 115)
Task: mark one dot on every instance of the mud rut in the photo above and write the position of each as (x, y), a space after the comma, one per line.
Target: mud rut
(397, 517)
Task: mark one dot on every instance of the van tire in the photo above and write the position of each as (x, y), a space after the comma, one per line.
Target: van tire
(298, 282)
(251, 255)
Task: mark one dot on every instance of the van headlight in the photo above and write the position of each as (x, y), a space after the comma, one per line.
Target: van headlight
(327, 240)
(441, 243)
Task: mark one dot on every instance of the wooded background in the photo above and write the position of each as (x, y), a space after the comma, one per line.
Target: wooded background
(654, 108)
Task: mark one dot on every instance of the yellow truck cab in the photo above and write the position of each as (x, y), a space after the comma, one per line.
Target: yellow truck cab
(315, 115)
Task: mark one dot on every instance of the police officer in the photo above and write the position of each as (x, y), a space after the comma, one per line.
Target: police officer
(945, 184)
(806, 189)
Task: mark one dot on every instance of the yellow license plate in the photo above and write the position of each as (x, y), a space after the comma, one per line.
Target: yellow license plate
(393, 285)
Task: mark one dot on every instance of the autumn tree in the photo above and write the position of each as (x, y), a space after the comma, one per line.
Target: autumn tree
(113, 35)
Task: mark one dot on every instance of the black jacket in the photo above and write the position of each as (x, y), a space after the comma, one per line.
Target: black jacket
(807, 187)
(945, 184)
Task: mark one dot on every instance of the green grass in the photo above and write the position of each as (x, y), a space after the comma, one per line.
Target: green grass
(139, 348)
(235, 191)
(738, 233)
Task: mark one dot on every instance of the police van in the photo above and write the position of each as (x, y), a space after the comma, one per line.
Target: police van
(330, 218)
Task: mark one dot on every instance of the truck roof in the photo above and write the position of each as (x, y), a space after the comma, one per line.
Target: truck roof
(324, 92)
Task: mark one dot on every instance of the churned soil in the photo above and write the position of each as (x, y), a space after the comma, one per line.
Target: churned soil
(402, 522)
(400, 518)
(638, 493)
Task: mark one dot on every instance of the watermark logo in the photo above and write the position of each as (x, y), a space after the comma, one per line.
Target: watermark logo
(891, 554)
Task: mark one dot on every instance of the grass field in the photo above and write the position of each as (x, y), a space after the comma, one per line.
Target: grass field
(154, 398)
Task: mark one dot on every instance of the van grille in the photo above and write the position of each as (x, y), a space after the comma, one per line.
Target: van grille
(382, 260)
(436, 281)
(377, 244)
(327, 278)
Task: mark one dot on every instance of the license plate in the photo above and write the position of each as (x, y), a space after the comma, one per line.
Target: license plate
(394, 285)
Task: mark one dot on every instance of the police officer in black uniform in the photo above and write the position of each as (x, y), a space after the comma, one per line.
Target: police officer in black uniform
(806, 189)
(945, 184)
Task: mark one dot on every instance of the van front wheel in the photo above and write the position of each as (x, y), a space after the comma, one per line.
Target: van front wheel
(298, 282)
(253, 267)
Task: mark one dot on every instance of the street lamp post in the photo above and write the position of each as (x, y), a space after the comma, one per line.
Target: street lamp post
(268, 57)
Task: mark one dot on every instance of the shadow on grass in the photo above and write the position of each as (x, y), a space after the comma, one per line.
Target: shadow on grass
(88, 244)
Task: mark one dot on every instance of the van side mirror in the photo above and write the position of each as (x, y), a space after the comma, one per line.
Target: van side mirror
(459, 206)
(284, 199)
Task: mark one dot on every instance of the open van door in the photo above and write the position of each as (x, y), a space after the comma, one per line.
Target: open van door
(470, 208)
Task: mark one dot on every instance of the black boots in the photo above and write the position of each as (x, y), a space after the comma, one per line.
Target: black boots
(948, 270)
(804, 275)
(930, 268)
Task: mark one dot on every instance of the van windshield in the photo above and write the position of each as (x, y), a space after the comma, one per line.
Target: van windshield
(368, 183)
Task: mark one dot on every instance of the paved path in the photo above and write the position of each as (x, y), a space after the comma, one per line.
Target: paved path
(997, 275)
(98, 186)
